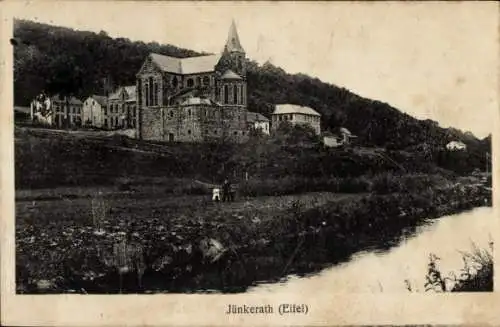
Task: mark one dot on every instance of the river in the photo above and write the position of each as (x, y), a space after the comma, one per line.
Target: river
(386, 271)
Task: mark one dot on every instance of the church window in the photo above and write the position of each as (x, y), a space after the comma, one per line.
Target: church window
(155, 94)
(171, 114)
(189, 132)
(241, 95)
(226, 94)
(235, 94)
(189, 113)
(198, 81)
(240, 64)
(151, 94)
(174, 81)
(190, 82)
(206, 80)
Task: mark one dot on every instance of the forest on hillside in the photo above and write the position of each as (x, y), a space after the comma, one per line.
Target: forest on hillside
(65, 61)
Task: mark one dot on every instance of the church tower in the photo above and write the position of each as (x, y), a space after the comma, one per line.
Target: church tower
(233, 53)
(232, 70)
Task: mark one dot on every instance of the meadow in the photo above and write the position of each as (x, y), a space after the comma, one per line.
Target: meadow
(107, 216)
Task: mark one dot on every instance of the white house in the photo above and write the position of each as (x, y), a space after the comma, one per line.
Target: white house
(93, 110)
(456, 146)
(41, 110)
(296, 114)
(342, 137)
(258, 122)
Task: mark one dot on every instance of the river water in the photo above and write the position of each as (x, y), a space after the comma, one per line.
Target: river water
(386, 271)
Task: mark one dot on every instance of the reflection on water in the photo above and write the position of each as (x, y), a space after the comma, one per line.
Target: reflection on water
(386, 271)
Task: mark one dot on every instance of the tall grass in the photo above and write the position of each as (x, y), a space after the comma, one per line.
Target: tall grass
(476, 274)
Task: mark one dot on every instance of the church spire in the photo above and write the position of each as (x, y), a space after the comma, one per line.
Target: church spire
(233, 41)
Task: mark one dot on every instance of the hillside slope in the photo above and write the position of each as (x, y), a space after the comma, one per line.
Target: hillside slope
(62, 60)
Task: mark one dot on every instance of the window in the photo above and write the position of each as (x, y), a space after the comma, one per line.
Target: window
(146, 94)
(174, 82)
(241, 95)
(226, 94)
(235, 133)
(189, 132)
(235, 94)
(171, 114)
(151, 92)
(206, 81)
(198, 81)
(215, 131)
(190, 82)
(155, 97)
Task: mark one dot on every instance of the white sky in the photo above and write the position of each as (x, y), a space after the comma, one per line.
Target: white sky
(431, 60)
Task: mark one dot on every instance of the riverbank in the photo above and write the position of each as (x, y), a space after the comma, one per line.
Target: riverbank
(212, 248)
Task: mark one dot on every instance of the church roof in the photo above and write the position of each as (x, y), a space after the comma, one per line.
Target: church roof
(229, 74)
(196, 101)
(255, 116)
(233, 41)
(294, 109)
(183, 66)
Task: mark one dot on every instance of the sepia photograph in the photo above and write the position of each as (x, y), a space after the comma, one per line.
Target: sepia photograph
(253, 149)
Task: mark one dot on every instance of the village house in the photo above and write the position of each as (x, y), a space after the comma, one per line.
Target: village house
(295, 114)
(258, 122)
(194, 99)
(456, 146)
(341, 138)
(67, 111)
(93, 110)
(121, 108)
(58, 111)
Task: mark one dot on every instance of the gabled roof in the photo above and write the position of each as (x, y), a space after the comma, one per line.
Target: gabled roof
(183, 66)
(294, 109)
(70, 100)
(255, 117)
(233, 41)
(101, 99)
(229, 74)
(130, 93)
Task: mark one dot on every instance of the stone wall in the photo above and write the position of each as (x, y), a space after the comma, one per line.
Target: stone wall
(151, 124)
(197, 123)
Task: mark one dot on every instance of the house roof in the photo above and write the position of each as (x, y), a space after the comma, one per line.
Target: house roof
(229, 74)
(344, 130)
(101, 99)
(130, 92)
(255, 116)
(294, 109)
(71, 100)
(183, 66)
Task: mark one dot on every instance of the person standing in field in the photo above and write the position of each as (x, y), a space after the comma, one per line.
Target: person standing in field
(225, 190)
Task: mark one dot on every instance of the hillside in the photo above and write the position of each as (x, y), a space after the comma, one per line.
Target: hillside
(62, 60)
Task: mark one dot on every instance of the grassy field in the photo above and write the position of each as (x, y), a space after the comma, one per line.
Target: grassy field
(104, 215)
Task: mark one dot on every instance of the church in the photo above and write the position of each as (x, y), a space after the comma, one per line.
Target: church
(195, 99)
